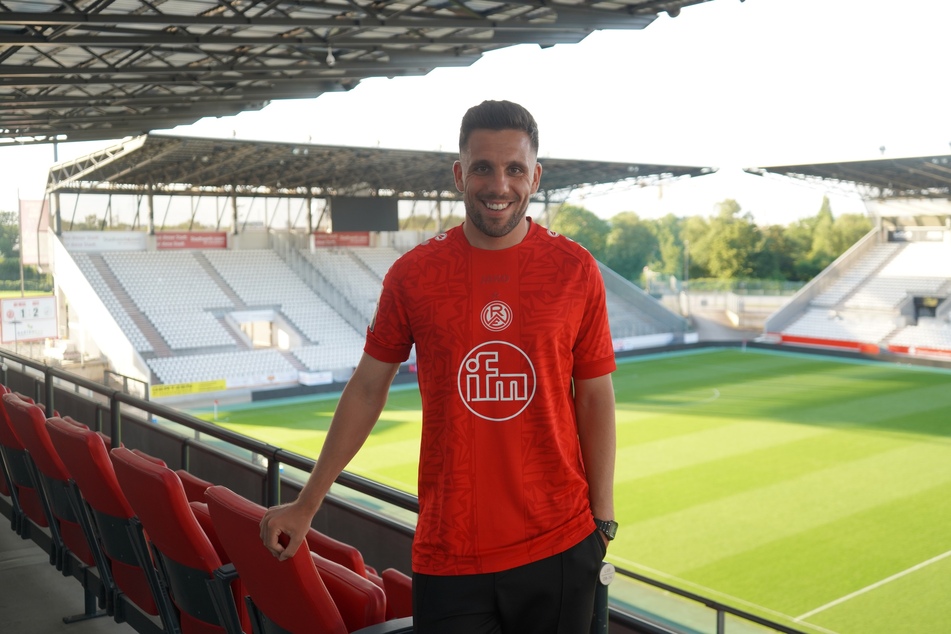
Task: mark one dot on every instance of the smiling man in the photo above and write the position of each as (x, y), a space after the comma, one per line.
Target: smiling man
(518, 442)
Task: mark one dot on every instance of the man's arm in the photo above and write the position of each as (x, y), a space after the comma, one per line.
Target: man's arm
(594, 407)
(360, 406)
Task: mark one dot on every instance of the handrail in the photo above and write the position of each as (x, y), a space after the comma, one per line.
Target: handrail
(721, 608)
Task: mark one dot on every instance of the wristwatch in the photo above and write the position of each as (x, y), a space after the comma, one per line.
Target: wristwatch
(608, 527)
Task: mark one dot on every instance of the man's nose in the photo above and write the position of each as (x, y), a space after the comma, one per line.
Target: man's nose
(499, 182)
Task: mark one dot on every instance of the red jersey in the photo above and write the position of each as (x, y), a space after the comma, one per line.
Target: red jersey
(499, 336)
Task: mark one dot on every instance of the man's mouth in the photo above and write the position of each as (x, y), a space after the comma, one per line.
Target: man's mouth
(497, 206)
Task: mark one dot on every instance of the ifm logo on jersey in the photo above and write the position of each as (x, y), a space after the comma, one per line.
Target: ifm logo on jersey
(496, 379)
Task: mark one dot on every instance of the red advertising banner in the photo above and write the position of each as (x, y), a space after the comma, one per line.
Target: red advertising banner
(342, 239)
(191, 240)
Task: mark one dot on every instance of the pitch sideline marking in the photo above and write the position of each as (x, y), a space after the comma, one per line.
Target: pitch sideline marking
(712, 592)
(869, 588)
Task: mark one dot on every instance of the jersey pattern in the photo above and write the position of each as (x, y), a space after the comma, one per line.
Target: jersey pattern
(499, 336)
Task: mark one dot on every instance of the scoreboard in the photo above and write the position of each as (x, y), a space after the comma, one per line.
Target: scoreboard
(28, 318)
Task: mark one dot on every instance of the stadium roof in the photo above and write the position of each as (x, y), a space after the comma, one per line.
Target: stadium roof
(201, 166)
(912, 177)
(87, 69)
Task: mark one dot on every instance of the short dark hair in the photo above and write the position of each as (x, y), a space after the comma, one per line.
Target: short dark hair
(498, 115)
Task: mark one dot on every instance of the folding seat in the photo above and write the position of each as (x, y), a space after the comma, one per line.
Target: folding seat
(24, 497)
(194, 486)
(85, 454)
(399, 594)
(4, 473)
(193, 573)
(397, 585)
(51, 480)
(301, 595)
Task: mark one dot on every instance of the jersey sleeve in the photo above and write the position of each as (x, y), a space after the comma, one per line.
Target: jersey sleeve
(389, 337)
(594, 348)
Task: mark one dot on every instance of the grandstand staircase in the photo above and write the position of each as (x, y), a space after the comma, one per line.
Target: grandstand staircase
(220, 281)
(363, 265)
(294, 361)
(160, 347)
(240, 340)
(866, 275)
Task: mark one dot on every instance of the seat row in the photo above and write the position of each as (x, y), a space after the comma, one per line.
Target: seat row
(175, 553)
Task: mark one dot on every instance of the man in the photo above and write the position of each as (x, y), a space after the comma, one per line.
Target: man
(518, 442)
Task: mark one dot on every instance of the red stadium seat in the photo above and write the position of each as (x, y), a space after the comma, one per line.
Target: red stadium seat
(25, 498)
(303, 594)
(399, 594)
(52, 481)
(86, 457)
(184, 554)
(339, 552)
(4, 473)
(194, 486)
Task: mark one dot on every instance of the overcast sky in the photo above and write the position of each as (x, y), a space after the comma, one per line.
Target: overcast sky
(727, 84)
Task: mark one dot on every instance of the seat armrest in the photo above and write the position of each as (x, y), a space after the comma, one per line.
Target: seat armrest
(223, 600)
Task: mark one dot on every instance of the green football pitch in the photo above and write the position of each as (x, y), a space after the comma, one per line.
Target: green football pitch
(813, 491)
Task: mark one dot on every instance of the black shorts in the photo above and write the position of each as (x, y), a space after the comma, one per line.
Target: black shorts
(551, 596)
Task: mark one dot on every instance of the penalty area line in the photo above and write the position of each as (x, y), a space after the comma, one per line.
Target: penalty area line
(869, 588)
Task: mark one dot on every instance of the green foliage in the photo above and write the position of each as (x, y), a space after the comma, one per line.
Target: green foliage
(583, 227)
(631, 245)
(10, 259)
(9, 233)
(728, 245)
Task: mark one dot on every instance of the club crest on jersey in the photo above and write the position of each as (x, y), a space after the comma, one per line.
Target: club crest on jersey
(496, 381)
(496, 316)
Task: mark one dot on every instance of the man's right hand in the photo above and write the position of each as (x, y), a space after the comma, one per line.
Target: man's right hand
(284, 527)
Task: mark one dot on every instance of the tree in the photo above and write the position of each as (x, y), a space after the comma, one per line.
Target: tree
(9, 233)
(775, 255)
(671, 248)
(824, 249)
(583, 227)
(849, 229)
(630, 246)
(732, 239)
(696, 237)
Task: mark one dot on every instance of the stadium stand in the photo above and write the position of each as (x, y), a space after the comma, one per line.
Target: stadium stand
(258, 276)
(196, 315)
(153, 279)
(928, 333)
(874, 295)
(854, 275)
(247, 366)
(348, 273)
(105, 293)
(855, 326)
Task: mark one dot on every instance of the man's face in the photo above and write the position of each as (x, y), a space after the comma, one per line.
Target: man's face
(497, 173)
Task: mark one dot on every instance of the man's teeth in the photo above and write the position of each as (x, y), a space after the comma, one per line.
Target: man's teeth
(497, 206)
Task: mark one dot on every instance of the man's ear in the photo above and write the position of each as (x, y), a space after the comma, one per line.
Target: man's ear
(537, 177)
(457, 175)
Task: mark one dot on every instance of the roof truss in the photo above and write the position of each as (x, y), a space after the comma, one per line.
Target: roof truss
(104, 69)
